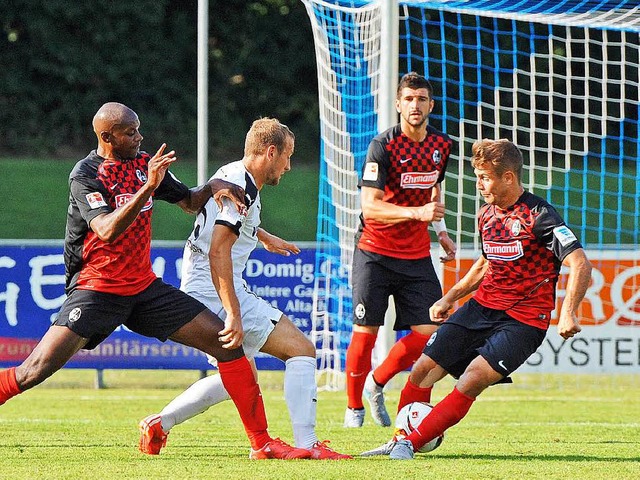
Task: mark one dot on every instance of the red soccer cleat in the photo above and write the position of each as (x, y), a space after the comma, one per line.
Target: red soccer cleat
(152, 438)
(278, 449)
(321, 451)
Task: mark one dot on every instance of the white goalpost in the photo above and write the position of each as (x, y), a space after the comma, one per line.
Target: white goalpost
(558, 77)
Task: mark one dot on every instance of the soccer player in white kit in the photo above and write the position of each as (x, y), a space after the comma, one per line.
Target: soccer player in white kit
(215, 256)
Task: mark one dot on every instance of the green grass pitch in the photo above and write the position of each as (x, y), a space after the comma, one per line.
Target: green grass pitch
(541, 427)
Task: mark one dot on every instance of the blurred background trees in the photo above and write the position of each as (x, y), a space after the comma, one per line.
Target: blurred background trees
(62, 59)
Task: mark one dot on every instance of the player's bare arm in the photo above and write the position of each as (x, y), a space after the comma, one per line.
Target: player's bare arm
(216, 188)
(375, 208)
(109, 226)
(275, 244)
(447, 244)
(577, 284)
(439, 311)
(221, 266)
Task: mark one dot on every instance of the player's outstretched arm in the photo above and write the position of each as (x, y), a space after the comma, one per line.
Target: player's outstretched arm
(216, 188)
(577, 284)
(439, 311)
(275, 244)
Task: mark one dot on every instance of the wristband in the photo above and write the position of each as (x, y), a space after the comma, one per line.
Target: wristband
(439, 226)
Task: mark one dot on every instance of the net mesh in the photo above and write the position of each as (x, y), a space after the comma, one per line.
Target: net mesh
(559, 78)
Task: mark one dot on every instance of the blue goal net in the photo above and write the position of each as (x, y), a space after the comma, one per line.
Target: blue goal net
(559, 78)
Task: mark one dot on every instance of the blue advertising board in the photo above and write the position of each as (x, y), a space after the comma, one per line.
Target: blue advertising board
(32, 292)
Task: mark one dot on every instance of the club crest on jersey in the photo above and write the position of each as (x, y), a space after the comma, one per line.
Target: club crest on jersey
(516, 227)
(141, 176)
(507, 251)
(436, 157)
(419, 179)
(125, 197)
(74, 314)
(95, 200)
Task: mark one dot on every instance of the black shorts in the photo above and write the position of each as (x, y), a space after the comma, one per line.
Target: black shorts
(158, 311)
(413, 284)
(473, 330)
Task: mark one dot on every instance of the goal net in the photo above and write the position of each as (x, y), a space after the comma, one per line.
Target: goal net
(558, 77)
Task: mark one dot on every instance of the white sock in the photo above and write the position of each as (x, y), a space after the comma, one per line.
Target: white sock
(203, 394)
(300, 393)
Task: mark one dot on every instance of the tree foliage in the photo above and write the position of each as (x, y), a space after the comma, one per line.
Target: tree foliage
(62, 59)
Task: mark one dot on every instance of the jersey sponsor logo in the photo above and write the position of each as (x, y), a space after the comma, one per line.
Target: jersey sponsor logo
(432, 338)
(359, 311)
(141, 176)
(503, 251)
(564, 235)
(502, 365)
(405, 160)
(419, 179)
(436, 157)
(96, 200)
(370, 172)
(125, 197)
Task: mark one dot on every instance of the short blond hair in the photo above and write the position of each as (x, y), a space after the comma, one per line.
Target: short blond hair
(265, 132)
(502, 155)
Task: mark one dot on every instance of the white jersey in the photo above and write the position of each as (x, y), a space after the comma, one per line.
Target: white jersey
(196, 274)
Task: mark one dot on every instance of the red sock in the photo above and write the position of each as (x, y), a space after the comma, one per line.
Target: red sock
(413, 393)
(8, 385)
(358, 365)
(449, 411)
(238, 379)
(402, 355)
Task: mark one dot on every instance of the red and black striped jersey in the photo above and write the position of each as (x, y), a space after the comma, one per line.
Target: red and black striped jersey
(406, 171)
(98, 186)
(525, 245)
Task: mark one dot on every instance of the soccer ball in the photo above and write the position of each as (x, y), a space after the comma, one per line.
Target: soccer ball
(408, 419)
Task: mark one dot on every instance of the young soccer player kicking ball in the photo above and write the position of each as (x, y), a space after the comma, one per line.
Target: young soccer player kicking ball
(524, 244)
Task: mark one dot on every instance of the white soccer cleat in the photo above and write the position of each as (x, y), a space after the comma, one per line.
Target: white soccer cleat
(402, 450)
(373, 393)
(384, 449)
(353, 418)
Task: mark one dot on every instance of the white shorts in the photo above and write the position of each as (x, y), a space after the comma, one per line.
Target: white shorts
(259, 318)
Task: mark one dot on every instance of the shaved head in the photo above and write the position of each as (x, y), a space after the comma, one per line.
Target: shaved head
(117, 129)
(112, 114)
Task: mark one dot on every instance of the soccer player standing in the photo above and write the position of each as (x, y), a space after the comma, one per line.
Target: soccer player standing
(524, 244)
(215, 257)
(400, 196)
(110, 281)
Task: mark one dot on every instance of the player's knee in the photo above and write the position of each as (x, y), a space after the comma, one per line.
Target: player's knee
(304, 348)
(309, 351)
